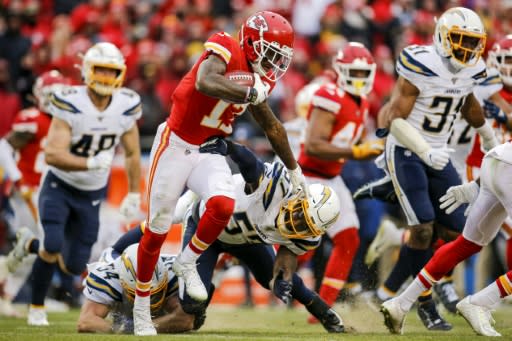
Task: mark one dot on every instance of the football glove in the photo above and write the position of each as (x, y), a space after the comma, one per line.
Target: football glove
(282, 289)
(102, 161)
(298, 180)
(259, 91)
(437, 158)
(491, 110)
(216, 145)
(367, 149)
(130, 205)
(459, 195)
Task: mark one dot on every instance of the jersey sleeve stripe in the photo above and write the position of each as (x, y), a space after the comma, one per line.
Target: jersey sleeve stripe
(326, 104)
(492, 80)
(218, 49)
(63, 105)
(99, 284)
(272, 185)
(413, 65)
(25, 127)
(481, 74)
(133, 110)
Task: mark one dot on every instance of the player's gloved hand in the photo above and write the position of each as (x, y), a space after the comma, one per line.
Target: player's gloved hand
(101, 161)
(259, 91)
(437, 158)
(216, 145)
(491, 110)
(382, 132)
(367, 149)
(281, 288)
(459, 195)
(298, 180)
(130, 205)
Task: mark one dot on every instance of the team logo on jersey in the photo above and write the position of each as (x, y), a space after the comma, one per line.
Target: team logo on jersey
(258, 23)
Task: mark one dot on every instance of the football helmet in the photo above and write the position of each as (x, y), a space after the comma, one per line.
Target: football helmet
(44, 85)
(103, 55)
(302, 217)
(126, 265)
(460, 36)
(303, 99)
(501, 58)
(355, 68)
(267, 41)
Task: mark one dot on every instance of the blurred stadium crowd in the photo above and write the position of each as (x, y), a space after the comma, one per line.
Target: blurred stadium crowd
(161, 39)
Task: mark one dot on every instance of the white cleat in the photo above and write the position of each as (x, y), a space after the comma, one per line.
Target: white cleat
(387, 236)
(142, 323)
(394, 316)
(37, 317)
(20, 251)
(478, 317)
(193, 283)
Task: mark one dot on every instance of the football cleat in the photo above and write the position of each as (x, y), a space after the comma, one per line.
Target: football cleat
(37, 317)
(142, 323)
(478, 317)
(20, 250)
(429, 316)
(321, 312)
(381, 189)
(193, 283)
(387, 236)
(448, 296)
(394, 316)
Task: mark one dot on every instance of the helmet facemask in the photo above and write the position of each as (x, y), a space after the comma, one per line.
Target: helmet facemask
(465, 47)
(294, 220)
(356, 78)
(503, 62)
(101, 83)
(272, 60)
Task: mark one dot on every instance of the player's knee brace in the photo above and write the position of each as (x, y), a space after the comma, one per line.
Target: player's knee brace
(220, 207)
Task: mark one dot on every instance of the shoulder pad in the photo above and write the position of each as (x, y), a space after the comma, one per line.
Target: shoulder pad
(132, 100)
(220, 44)
(62, 100)
(482, 74)
(414, 58)
(327, 98)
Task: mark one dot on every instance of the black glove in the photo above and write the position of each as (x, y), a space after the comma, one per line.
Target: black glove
(216, 145)
(282, 289)
(491, 110)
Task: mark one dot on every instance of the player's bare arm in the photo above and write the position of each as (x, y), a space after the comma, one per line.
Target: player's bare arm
(401, 102)
(176, 320)
(275, 132)
(286, 262)
(211, 81)
(131, 145)
(18, 139)
(92, 318)
(57, 152)
(472, 112)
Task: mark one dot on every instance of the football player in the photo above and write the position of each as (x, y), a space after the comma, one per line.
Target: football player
(88, 122)
(336, 116)
(436, 83)
(205, 103)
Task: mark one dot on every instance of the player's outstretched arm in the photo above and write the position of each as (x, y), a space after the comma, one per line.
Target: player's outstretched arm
(474, 115)
(92, 318)
(175, 320)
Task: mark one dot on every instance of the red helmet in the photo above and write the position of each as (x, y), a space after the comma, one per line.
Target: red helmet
(45, 84)
(267, 40)
(355, 67)
(501, 58)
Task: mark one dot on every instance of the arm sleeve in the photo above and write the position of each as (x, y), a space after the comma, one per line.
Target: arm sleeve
(250, 166)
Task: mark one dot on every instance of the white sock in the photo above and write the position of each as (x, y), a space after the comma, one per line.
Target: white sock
(488, 297)
(411, 294)
(188, 256)
(383, 294)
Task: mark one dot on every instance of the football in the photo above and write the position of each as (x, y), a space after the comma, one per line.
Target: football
(241, 77)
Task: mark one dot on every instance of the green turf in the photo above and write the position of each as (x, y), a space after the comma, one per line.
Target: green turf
(263, 324)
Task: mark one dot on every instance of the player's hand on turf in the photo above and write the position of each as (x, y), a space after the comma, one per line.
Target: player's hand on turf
(216, 145)
(281, 288)
(262, 90)
(459, 195)
(298, 180)
(437, 158)
(130, 205)
(102, 161)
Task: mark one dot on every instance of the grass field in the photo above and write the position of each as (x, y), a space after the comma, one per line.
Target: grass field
(263, 324)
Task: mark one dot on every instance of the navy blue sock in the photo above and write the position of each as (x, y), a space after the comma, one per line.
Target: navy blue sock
(33, 247)
(300, 292)
(400, 272)
(418, 259)
(42, 273)
(131, 237)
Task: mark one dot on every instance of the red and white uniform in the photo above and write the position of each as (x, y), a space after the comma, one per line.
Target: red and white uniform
(347, 130)
(175, 160)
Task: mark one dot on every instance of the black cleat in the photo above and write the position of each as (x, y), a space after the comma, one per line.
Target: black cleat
(329, 318)
(428, 314)
(448, 296)
(381, 189)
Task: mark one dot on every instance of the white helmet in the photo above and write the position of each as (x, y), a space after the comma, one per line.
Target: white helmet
(460, 36)
(303, 99)
(300, 218)
(104, 55)
(126, 265)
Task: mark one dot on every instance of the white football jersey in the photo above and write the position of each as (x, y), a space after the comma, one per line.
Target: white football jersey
(92, 130)
(463, 134)
(102, 283)
(255, 214)
(442, 93)
(502, 152)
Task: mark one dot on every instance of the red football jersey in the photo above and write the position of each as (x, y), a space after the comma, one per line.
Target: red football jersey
(31, 157)
(195, 116)
(347, 129)
(476, 155)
